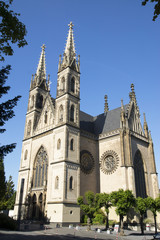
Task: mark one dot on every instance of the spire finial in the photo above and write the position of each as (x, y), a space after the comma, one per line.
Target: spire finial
(122, 107)
(144, 116)
(70, 25)
(70, 52)
(106, 108)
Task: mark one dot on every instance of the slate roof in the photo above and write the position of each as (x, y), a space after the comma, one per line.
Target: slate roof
(102, 123)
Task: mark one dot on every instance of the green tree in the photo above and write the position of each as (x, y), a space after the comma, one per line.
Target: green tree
(141, 208)
(104, 200)
(10, 194)
(12, 31)
(2, 183)
(153, 205)
(88, 205)
(123, 201)
(156, 7)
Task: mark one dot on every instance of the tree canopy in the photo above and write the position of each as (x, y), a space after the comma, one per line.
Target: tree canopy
(12, 31)
(156, 7)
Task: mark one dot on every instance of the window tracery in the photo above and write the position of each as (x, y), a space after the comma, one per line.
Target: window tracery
(41, 168)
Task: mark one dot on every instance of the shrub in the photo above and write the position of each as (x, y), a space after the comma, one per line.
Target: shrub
(99, 219)
(7, 222)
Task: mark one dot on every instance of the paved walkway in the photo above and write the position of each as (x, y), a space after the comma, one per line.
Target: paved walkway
(68, 234)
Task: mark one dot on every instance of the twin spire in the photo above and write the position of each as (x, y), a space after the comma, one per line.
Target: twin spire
(69, 60)
(69, 55)
(40, 78)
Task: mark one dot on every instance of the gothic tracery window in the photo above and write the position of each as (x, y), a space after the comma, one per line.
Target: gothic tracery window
(40, 168)
(139, 175)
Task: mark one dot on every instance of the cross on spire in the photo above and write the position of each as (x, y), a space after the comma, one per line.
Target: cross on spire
(70, 25)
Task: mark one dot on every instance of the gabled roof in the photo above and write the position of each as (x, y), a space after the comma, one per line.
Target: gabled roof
(102, 123)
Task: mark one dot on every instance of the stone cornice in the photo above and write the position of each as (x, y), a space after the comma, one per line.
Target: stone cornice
(109, 134)
(137, 135)
(88, 135)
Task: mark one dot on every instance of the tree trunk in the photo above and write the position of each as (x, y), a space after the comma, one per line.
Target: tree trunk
(141, 223)
(107, 222)
(121, 226)
(155, 223)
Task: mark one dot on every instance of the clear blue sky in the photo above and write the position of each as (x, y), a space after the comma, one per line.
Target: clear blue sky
(119, 44)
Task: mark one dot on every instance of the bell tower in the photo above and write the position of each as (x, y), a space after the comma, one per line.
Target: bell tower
(66, 164)
(39, 89)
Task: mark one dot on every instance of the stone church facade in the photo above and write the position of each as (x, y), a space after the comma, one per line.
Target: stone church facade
(66, 152)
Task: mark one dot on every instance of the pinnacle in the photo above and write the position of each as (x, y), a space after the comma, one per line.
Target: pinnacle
(41, 69)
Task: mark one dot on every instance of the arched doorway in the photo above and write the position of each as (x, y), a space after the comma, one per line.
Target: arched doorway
(140, 183)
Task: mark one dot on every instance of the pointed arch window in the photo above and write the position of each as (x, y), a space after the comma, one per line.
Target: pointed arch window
(26, 155)
(32, 101)
(45, 117)
(71, 183)
(29, 128)
(72, 113)
(73, 85)
(72, 144)
(139, 175)
(61, 111)
(40, 168)
(63, 84)
(57, 182)
(59, 143)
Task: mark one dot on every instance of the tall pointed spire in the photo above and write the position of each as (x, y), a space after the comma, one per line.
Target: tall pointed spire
(41, 69)
(40, 78)
(70, 46)
(69, 56)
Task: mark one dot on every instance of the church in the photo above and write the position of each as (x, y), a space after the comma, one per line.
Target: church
(66, 152)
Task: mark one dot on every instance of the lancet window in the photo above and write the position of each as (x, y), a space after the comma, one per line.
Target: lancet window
(72, 114)
(61, 113)
(57, 182)
(40, 168)
(26, 155)
(71, 183)
(29, 128)
(72, 144)
(73, 85)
